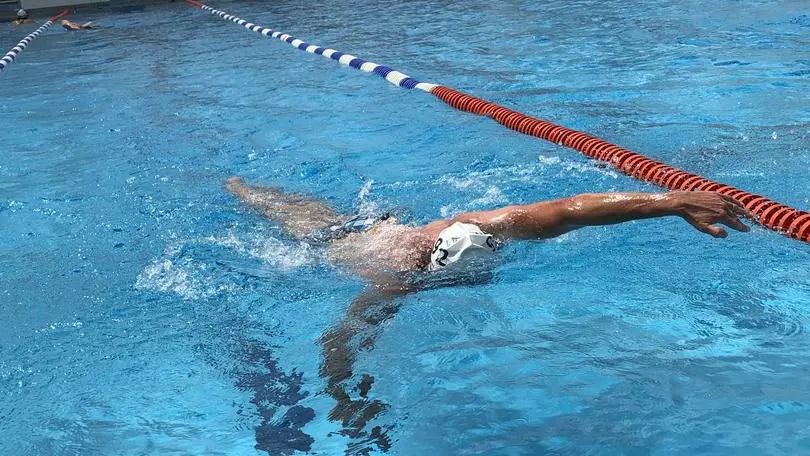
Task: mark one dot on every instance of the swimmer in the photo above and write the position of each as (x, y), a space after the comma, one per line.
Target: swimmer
(396, 259)
(22, 18)
(382, 250)
(68, 25)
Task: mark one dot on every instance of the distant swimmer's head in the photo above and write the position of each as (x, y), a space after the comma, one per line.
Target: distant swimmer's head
(22, 14)
(460, 242)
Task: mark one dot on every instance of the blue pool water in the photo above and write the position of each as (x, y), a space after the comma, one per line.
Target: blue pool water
(145, 311)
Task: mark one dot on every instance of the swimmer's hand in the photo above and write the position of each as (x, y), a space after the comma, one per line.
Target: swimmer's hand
(704, 210)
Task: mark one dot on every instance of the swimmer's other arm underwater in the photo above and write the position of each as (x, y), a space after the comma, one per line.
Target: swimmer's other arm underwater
(388, 249)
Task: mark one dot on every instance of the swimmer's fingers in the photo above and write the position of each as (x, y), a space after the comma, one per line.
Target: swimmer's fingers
(733, 222)
(731, 200)
(734, 211)
(736, 208)
(712, 230)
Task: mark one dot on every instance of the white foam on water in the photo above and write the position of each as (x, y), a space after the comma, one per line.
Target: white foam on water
(576, 168)
(268, 249)
(14, 205)
(449, 211)
(480, 179)
(526, 173)
(549, 160)
(365, 190)
(460, 183)
(367, 206)
(739, 173)
(194, 279)
(166, 276)
(533, 173)
(492, 198)
(55, 326)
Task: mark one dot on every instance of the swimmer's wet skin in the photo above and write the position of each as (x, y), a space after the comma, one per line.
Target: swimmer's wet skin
(68, 25)
(390, 256)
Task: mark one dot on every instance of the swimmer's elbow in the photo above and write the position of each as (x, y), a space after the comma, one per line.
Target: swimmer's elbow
(542, 220)
(545, 220)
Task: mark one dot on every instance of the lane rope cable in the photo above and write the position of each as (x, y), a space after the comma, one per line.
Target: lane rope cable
(12, 54)
(768, 213)
(389, 74)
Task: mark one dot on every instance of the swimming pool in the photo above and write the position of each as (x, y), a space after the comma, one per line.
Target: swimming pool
(145, 311)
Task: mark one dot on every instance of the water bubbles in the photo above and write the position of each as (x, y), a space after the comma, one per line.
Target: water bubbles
(164, 275)
(367, 206)
(571, 167)
(493, 196)
(14, 205)
(195, 275)
(548, 160)
(59, 325)
(268, 249)
(365, 190)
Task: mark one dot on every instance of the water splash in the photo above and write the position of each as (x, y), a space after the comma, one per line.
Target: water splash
(198, 275)
(491, 198)
(367, 206)
(270, 250)
(576, 168)
(178, 277)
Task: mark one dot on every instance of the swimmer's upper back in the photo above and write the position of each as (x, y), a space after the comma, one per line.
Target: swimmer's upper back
(388, 246)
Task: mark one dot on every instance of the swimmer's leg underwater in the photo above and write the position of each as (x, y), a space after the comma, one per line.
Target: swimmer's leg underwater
(298, 215)
(355, 333)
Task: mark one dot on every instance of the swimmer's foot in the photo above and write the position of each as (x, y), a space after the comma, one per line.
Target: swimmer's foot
(298, 215)
(236, 185)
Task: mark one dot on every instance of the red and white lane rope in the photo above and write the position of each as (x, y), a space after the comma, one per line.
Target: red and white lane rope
(12, 54)
(770, 214)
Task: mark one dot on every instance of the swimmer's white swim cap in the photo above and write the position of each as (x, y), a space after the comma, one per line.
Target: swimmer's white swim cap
(459, 241)
(22, 14)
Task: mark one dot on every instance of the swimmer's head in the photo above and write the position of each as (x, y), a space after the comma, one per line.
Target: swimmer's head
(460, 242)
(22, 14)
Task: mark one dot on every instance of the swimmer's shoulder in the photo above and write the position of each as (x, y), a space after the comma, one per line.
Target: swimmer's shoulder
(433, 229)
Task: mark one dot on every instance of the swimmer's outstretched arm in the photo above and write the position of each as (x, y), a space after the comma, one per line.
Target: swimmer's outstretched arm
(547, 219)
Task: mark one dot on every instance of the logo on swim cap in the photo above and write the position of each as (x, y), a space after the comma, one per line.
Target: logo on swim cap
(459, 241)
(22, 14)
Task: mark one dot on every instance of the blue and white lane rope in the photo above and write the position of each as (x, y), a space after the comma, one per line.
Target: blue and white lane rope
(12, 54)
(389, 74)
